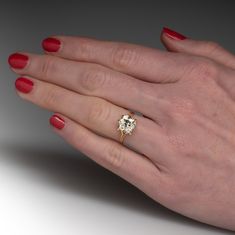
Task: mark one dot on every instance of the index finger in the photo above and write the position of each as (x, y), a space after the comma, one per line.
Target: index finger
(145, 63)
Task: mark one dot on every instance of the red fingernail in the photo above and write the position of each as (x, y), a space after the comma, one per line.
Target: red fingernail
(51, 44)
(18, 61)
(57, 121)
(173, 34)
(23, 85)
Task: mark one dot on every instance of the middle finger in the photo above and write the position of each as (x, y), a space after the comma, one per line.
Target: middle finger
(95, 80)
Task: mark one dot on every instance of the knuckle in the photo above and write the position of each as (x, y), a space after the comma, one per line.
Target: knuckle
(98, 112)
(124, 56)
(182, 108)
(47, 66)
(207, 69)
(51, 98)
(78, 140)
(210, 47)
(114, 156)
(204, 69)
(85, 49)
(93, 79)
(181, 146)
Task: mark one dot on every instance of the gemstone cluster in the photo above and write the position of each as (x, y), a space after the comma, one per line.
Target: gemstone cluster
(126, 124)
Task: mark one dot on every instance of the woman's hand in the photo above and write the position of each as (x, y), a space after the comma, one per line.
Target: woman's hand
(182, 151)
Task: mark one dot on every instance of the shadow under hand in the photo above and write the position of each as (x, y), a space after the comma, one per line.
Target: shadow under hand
(70, 170)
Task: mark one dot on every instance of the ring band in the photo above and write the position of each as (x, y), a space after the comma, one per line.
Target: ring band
(126, 125)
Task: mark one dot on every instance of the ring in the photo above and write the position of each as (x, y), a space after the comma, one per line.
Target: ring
(126, 125)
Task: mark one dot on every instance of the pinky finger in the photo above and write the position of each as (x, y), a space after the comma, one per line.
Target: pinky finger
(134, 168)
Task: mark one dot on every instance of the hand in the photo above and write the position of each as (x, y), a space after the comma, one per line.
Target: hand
(182, 151)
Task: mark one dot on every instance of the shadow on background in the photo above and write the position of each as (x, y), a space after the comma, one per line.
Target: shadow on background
(71, 171)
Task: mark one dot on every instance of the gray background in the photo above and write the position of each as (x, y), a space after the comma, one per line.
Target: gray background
(46, 187)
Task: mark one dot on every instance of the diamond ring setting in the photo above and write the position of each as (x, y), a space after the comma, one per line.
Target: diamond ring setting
(126, 125)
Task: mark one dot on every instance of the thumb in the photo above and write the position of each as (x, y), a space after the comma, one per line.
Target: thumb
(177, 42)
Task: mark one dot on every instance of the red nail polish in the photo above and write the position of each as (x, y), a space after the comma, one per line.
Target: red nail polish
(23, 85)
(51, 44)
(173, 34)
(18, 61)
(57, 121)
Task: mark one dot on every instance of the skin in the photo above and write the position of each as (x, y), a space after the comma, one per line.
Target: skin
(182, 151)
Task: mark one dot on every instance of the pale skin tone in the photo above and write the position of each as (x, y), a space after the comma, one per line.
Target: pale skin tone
(182, 151)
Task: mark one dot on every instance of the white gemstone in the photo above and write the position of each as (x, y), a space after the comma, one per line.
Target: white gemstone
(127, 124)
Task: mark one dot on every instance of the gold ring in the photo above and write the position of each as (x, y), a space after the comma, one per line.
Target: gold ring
(126, 125)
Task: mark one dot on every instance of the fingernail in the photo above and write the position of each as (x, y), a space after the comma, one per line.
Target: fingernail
(51, 44)
(57, 121)
(18, 61)
(173, 34)
(23, 85)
